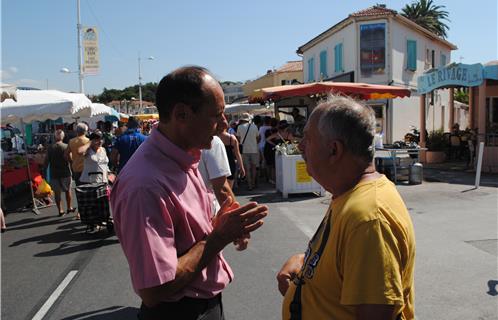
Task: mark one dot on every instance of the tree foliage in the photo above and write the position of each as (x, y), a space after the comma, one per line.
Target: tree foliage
(427, 15)
(148, 93)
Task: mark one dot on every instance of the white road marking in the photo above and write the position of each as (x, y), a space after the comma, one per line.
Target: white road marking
(307, 230)
(53, 297)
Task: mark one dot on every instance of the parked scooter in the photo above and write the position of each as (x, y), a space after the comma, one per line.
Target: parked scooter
(413, 136)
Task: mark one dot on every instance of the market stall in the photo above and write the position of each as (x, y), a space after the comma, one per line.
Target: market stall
(291, 178)
(39, 105)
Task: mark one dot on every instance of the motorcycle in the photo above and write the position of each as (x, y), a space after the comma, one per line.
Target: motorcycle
(413, 136)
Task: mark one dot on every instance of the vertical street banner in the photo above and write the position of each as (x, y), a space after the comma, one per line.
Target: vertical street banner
(90, 51)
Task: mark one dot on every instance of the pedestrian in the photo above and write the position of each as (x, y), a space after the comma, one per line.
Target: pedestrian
(360, 262)
(248, 135)
(162, 214)
(127, 143)
(74, 156)
(60, 172)
(95, 169)
(233, 154)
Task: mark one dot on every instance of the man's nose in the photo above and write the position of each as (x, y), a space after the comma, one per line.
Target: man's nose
(301, 146)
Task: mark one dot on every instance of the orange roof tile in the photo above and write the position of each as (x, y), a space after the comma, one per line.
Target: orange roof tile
(291, 66)
(374, 11)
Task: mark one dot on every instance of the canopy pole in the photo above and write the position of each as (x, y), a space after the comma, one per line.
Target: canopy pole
(451, 109)
(423, 138)
(35, 208)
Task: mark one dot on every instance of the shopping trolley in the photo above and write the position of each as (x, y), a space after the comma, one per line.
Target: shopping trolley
(93, 206)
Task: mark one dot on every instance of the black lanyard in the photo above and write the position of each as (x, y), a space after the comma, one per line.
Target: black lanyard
(310, 263)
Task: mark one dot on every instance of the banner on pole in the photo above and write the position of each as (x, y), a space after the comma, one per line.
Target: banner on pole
(90, 51)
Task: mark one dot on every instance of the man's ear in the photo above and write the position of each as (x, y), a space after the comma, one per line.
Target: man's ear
(180, 112)
(335, 147)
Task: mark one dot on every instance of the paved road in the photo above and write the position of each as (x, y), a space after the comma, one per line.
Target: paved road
(457, 251)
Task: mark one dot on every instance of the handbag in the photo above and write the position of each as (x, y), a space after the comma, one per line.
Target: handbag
(241, 145)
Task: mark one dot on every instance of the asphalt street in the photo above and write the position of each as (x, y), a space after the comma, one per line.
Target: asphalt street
(457, 249)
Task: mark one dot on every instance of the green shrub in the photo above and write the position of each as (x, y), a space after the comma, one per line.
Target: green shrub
(437, 141)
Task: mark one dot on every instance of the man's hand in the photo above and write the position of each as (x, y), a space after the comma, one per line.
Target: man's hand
(241, 243)
(235, 222)
(289, 271)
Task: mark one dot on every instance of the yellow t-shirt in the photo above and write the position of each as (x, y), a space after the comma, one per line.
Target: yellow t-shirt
(78, 159)
(369, 257)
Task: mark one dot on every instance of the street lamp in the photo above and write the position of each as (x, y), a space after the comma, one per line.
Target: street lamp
(140, 80)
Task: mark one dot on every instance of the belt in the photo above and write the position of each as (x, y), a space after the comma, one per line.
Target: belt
(186, 308)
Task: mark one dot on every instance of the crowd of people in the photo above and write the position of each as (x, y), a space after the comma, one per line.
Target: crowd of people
(88, 157)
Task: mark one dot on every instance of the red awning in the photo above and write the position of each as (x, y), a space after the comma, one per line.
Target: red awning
(362, 90)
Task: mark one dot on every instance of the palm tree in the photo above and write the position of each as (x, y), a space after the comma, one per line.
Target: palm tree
(427, 15)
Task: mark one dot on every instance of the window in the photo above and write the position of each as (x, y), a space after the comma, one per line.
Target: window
(338, 58)
(443, 59)
(323, 64)
(411, 49)
(372, 49)
(311, 69)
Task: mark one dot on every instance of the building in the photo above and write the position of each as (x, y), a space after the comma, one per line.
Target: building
(289, 73)
(379, 46)
(131, 106)
(232, 91)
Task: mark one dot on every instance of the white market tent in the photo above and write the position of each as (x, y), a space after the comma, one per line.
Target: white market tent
(99, 112)
(244, 107)
(41, 105)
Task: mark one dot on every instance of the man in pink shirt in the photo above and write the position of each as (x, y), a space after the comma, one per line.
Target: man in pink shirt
(162, 211)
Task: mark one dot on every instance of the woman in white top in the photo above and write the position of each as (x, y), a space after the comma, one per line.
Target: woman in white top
(95, 167)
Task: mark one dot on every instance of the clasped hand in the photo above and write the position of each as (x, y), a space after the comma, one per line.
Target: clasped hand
(234, 223)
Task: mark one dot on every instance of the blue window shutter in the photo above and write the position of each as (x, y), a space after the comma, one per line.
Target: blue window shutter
(411, 49)
(341, 67)
(311, 69)
(338, 58)
(323, 64)
(443, 60)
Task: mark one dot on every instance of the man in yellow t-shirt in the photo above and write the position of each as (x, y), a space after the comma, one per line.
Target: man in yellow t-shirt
(360, 263)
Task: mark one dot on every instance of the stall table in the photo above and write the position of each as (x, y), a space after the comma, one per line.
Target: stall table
(412, 155)
(292, 177)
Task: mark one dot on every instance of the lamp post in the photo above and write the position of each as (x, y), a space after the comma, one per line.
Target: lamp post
(140, 80)
(80, 68)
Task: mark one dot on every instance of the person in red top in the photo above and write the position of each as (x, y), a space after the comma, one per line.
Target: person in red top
(162, 211)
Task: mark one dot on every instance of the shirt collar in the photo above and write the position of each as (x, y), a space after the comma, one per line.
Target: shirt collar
(186, 160)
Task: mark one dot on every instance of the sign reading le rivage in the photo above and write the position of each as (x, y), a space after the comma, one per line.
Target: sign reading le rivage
(464, 75)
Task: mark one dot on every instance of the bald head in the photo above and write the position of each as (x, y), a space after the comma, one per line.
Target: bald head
(192, 85)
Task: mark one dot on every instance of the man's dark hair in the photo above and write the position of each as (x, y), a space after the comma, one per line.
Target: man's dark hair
(133, 123)
(183, 85)
(257, 120)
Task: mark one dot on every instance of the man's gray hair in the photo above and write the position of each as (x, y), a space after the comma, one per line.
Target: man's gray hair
(350, 121)
(59, 135)
(81, 128)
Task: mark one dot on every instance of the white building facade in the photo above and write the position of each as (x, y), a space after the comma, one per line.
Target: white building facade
(379, 46)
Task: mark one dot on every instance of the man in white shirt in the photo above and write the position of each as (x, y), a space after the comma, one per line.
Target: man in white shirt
(214, 169)
(248, 136)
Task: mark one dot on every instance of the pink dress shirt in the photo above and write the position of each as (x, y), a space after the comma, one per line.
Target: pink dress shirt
(161, 208)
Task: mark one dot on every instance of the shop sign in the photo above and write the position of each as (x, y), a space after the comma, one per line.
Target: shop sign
(302, 175)
(453, 75)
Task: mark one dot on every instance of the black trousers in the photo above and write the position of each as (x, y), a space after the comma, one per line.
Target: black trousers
(184, 309)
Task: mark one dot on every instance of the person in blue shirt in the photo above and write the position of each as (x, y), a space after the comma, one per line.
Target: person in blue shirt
(126, 144)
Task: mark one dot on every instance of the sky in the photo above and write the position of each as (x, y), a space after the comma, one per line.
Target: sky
(236, 40)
